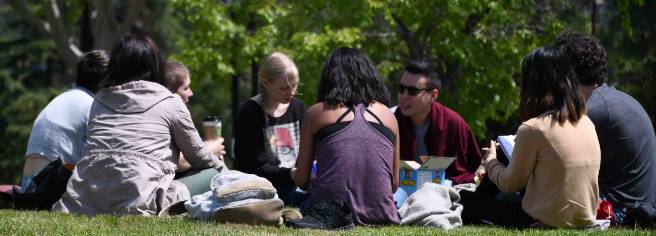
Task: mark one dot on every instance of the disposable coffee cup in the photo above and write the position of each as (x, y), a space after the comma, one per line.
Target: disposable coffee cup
(212, 127)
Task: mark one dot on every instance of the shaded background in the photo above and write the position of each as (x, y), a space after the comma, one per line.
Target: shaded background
(476, 45)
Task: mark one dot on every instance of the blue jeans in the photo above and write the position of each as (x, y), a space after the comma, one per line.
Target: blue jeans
(292, 195)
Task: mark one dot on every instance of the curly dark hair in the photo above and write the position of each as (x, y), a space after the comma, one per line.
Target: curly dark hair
(587, 54)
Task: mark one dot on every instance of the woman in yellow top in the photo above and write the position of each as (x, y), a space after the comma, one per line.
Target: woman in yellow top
(556, 156)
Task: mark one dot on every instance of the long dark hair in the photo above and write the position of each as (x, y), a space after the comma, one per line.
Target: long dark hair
(549, 87)
(349, 78)
(135, 57)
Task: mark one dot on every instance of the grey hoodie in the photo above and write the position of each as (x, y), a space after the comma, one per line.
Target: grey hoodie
(135, 134)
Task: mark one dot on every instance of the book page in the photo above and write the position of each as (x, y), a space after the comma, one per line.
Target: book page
(507, 143)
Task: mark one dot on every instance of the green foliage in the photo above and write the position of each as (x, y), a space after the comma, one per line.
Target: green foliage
(629, 41)
(228, 38)
(20, 107)
(25, 56)
(625, 7)
(478, 45)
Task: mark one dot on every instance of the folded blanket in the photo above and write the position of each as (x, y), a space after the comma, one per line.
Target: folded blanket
(432, 205)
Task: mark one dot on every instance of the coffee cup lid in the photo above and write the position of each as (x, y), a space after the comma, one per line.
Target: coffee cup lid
(212, 118)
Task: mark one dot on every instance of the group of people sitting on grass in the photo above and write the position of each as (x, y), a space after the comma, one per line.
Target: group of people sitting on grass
(128, 132)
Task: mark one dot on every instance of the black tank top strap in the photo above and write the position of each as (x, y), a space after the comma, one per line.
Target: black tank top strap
(350, 109)
(374, 115)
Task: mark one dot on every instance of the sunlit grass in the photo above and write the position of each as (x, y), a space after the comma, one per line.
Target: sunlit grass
(47, 223)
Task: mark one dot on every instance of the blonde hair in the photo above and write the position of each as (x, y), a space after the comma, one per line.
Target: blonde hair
(277, 65)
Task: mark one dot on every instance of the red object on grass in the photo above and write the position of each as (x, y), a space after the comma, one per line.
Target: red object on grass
(604, 210)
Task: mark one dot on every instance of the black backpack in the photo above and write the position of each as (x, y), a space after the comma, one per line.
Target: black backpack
(48, 186)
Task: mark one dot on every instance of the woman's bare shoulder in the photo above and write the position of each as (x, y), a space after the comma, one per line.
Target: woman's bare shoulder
(384, 114)
(320, 114)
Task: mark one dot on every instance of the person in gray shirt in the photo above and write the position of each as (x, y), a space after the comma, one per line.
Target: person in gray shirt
(59, 132)
(627, 177)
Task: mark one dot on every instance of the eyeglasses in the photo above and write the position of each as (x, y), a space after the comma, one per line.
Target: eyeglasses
(412, 90)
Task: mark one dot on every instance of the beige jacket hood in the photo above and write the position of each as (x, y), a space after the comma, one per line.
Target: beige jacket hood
(133, 97)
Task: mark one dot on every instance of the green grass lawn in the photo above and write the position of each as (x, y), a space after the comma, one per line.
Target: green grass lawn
(47, 223)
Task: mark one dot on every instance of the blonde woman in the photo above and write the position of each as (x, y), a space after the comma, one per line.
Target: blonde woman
(268, 128)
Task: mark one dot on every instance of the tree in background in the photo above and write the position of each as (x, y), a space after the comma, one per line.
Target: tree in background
(628, 31)
(27, 64)
(476, 45)
(39, 47)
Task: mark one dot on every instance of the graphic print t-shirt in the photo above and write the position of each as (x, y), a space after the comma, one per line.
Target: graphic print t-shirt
(282, 135)
(267, 146)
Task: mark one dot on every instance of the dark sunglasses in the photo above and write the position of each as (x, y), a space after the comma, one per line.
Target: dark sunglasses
(412, 90)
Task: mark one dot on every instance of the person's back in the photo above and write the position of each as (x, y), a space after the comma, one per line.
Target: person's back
(556, 156)
(60, 129)
(628, 144)
(354, 165)
(353, 137)
(558, 165)
(628, 147)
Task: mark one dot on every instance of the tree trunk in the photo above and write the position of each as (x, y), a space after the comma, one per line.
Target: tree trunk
(86, 33)
(255, 82)
(107, 30)
(593, 17)
(53, 25)
(98, 26)
(410, 38)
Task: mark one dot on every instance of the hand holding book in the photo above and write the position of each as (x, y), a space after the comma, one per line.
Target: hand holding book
(490, 152)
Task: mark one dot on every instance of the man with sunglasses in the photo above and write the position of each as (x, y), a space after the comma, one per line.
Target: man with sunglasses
(426, 127)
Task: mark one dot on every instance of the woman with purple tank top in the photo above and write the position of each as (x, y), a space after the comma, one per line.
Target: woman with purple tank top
(352, 135)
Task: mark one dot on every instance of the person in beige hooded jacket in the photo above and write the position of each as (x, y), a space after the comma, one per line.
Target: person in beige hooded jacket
(136, 131)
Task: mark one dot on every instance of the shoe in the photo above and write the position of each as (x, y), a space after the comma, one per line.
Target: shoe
(177, 209)
(328, 215)
(6, 201)
(290, 214)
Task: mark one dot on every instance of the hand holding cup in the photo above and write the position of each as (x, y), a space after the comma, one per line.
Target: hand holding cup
(216, 147)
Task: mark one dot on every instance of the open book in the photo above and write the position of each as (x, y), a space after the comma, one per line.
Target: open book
(506, 143)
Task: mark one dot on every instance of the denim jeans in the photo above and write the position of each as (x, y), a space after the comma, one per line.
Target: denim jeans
(292, 195)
